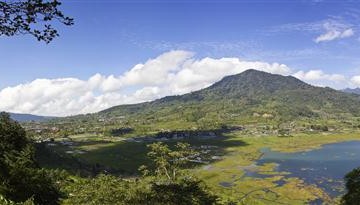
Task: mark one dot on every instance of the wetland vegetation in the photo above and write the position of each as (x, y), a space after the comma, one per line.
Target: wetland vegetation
(228, 165)
(228, 130)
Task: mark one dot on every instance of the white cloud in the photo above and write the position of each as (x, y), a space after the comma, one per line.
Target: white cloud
(172, 73)
(356, 80)
(327, 30)
(317, 75)
(333, 31)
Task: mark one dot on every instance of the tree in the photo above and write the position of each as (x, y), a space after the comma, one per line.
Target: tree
(352, 183)
(31, 17)
(170, 183)
(165, 183)
(4, 201)
(168, 163)
(103, 189)
(183, 191)
(20, 176)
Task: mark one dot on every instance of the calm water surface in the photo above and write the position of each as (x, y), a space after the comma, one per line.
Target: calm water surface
(324, 167)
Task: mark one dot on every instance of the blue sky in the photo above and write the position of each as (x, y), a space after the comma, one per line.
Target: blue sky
(111, 36)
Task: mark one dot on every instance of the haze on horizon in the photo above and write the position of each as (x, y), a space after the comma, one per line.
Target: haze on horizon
(121, 52)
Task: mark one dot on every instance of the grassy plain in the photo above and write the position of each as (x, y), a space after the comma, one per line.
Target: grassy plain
(235, 153)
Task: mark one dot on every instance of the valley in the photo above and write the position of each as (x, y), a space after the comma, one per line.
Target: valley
(179, 102)
(230, 124)
(224, 164)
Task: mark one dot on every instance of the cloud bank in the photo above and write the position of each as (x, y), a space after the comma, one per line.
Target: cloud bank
(317, 75)
(172, 73)
(356, 80)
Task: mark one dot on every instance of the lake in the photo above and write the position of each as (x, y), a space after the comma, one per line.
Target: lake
(325, 167)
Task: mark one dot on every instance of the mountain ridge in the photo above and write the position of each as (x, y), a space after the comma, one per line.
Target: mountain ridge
(250, 92)
(352, 90)
(22, 117)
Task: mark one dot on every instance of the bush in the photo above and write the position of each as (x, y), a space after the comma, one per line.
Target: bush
(352, 183)
(21, 178)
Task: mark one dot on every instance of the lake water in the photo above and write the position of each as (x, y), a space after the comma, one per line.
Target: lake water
(325, 167)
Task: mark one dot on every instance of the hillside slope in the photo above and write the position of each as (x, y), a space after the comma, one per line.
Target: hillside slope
(28, 117)
(248, 94)
(350, 90)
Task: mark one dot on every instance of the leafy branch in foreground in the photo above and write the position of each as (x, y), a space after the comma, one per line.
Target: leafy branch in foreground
(31, 17)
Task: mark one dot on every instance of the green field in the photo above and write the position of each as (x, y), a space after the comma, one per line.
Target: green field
(234, 153)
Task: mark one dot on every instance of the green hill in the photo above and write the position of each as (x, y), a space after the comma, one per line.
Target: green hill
(248, 94)
(350, 90)
(28, 117)
(260, 101)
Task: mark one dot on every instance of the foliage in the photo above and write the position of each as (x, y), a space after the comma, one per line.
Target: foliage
(352, 182)
(319, 127)
(104, 189)
(183, 191)
(168, 163)
(284, 132)
(20, 176)
(170, 183)
(24, 17)
(118, 131)
(111, 190)
(4, 201)
(165, 184)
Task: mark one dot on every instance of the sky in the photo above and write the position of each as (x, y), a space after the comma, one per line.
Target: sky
(130, 51)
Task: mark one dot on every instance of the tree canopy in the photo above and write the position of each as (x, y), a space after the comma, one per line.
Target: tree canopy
(32, 17)
(165, 182)
(20, 176)
(352, 183)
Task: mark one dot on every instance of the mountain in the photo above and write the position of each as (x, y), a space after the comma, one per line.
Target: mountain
(244, 97)
(28, 117)
(352, 90)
